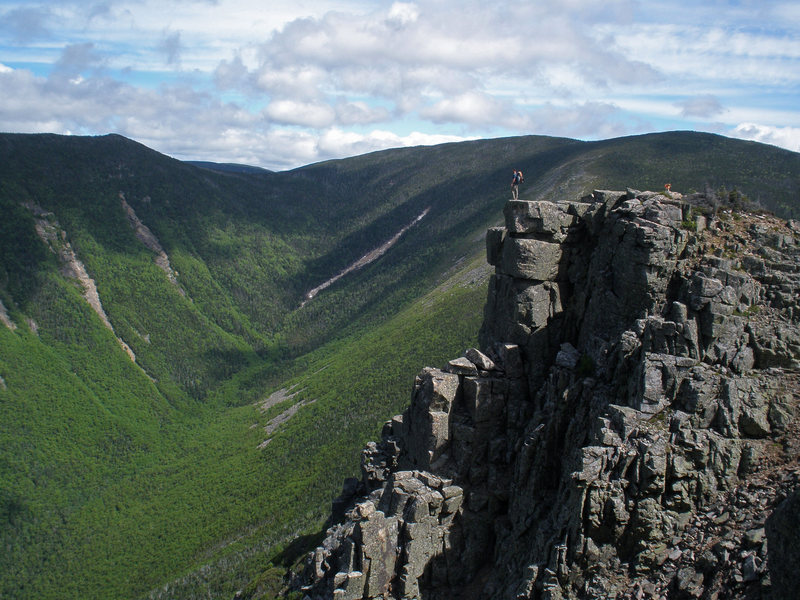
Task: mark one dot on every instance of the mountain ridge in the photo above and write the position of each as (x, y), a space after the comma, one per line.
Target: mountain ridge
(169, 459)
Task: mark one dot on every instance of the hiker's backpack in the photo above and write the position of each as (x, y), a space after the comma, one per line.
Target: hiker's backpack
(520, 177)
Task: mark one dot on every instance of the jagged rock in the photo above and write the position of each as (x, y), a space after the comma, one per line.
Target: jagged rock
(754, 537)
(532, 259)
(480, 360)
(462, 366)
(494, 245)
(631, 380)
(511, 360)
(751, 568)
(689, 582)
(568, 356)
(536, 217)
(779, 415)
(434, 394)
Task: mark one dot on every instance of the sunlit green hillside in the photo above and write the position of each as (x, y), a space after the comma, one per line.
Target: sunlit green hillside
(136, 457)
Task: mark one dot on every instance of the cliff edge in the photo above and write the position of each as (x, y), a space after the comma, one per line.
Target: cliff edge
(626, 430)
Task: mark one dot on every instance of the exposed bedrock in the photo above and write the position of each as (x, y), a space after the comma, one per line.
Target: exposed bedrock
(624, 430)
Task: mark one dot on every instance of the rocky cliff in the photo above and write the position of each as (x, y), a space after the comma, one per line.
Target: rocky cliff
(625, 430)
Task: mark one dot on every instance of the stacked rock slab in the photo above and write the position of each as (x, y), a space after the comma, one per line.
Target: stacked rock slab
(632, 372)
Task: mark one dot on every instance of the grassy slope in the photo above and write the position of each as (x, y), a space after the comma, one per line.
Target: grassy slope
(101, 523)
(113, 484)
(355, 383)
(76, 416)
(183, 486)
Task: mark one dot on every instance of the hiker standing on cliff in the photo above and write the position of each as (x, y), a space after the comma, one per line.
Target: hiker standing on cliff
(516, 179)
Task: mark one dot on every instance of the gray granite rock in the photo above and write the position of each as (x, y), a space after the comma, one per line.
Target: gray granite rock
(606, 438)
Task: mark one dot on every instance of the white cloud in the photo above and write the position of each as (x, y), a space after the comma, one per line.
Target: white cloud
(171, 47)
(785, 137)
(593, 120)
(705, 106)
(473, 108)
(787, 12)
(307, 114)
(231, 74)
(403, 13)
(78, 57)
(26, 23)
(298, 82)
(336, 142)
(293, 81)
(351, 113)
(778, 116)
(691, 54)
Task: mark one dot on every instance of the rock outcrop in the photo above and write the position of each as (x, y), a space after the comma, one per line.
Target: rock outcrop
(51, 233)
(146, 237)
(624, 432)
(5, 319)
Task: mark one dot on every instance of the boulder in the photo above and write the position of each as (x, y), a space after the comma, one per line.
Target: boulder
(532, 259)
(536, 217)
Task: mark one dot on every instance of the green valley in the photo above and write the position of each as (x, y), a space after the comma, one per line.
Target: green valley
(140, 454)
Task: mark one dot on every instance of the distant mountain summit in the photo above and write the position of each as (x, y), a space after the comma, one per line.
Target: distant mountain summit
(227, 167)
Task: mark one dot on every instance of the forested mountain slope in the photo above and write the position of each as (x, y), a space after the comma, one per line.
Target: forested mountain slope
(149, 307)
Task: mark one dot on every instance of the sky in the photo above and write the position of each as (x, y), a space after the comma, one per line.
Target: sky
(285, 83)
